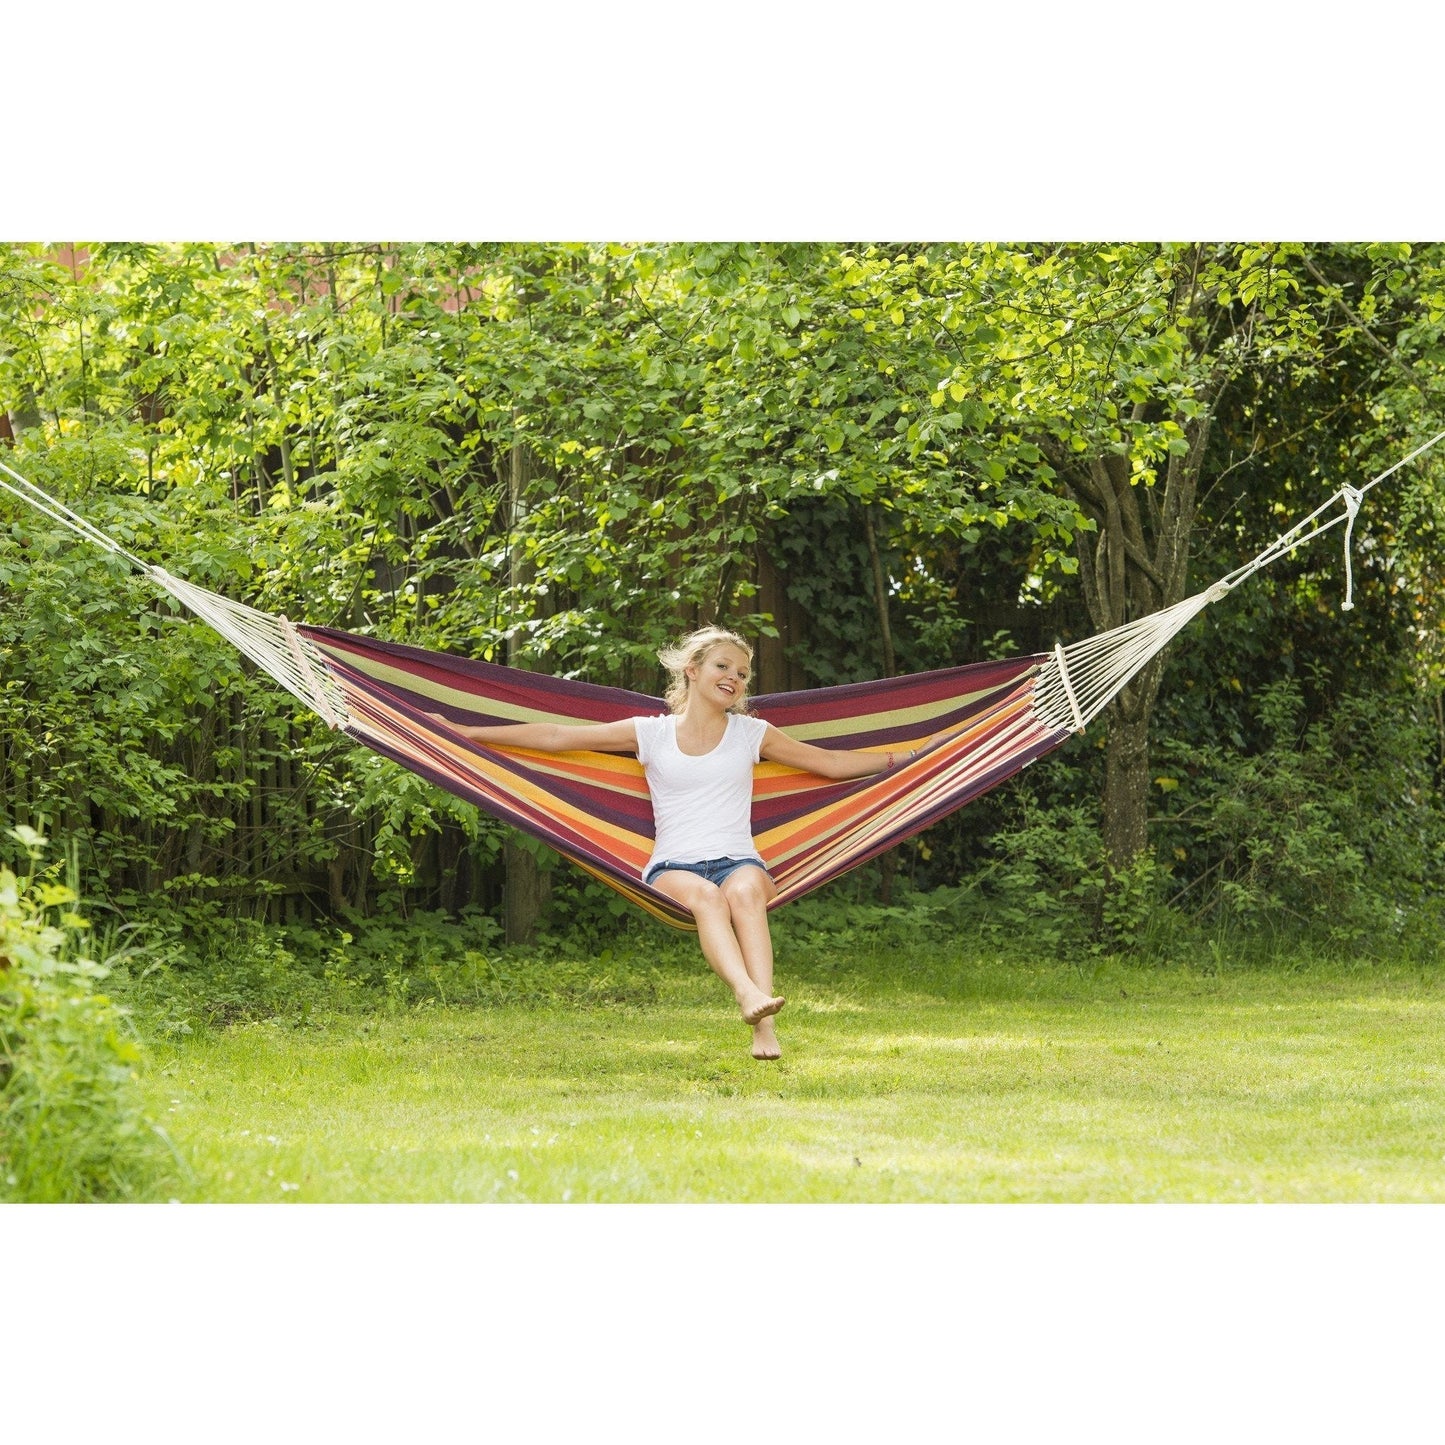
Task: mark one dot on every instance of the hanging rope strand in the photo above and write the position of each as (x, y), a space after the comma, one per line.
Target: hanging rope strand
(1352, 505)
(1303, 531)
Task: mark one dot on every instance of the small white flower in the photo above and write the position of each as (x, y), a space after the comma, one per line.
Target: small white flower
(513, 1175)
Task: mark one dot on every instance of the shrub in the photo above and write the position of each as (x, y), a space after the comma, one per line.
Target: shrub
(1330, 834)
(72, 1127)
(204, 969)
(1333, 829)
(1050, 885)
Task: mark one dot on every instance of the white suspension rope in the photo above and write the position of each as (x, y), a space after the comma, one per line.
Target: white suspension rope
(272, 643)
(1079, 681)
(1072, 687)
(57, 511)
(1305, 529)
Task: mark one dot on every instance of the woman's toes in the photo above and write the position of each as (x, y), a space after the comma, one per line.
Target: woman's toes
(764, 1008)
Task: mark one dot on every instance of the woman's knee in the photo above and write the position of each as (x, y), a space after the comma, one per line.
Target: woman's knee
(749, 889)
(705, 900)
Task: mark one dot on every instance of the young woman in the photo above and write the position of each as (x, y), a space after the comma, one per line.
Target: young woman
(699, 765)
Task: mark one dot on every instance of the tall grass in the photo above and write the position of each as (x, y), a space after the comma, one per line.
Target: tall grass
(73, 1125)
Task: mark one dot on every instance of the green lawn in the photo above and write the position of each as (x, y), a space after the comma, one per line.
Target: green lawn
(997, 1083)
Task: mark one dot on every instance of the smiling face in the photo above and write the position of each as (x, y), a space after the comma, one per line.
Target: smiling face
(698, 661)
(721, 677)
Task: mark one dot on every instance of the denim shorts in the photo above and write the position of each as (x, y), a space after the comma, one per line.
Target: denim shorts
(715, 870)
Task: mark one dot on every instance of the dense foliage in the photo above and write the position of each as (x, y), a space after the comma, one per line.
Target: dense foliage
(72, 1124)
(875, 457)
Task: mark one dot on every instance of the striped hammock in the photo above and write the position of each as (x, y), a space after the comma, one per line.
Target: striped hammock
(975, 725)
(594, 808)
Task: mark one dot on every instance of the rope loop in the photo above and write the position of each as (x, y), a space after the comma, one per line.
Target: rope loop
(1351, 496)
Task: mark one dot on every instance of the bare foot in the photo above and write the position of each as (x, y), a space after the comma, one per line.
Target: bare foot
(765, 1040)
(765, 1007)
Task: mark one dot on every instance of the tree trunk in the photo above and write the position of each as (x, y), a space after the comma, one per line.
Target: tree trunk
(525, 892)
(1126, 778)
(1137, 562)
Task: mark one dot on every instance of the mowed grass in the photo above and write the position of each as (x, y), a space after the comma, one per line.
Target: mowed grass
(994, 1082)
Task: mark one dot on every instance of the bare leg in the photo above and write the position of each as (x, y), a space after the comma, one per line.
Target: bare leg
(720, 945)
(748, 893)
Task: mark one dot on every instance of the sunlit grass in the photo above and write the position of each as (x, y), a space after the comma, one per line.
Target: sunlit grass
(1009, 1083)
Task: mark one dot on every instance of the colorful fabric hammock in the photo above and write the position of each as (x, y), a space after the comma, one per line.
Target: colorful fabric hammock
(594, 808)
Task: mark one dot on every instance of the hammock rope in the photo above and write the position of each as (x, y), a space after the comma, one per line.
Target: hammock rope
(973, 726)
(1078, 682)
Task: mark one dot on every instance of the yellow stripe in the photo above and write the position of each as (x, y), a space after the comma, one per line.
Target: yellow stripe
(892, 718)
(438, 692)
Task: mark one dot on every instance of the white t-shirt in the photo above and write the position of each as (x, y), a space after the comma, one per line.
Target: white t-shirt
(702, 806)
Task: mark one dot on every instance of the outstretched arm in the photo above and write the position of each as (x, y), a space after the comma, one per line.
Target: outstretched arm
(778, 747)
(551, 737)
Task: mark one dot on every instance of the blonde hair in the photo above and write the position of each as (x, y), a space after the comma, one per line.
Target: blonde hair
(692, 651)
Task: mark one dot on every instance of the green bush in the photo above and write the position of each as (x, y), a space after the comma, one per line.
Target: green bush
(203, 969)
(1332, 831)
(1328, 835)
(71, 1123)
(1050, 886)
